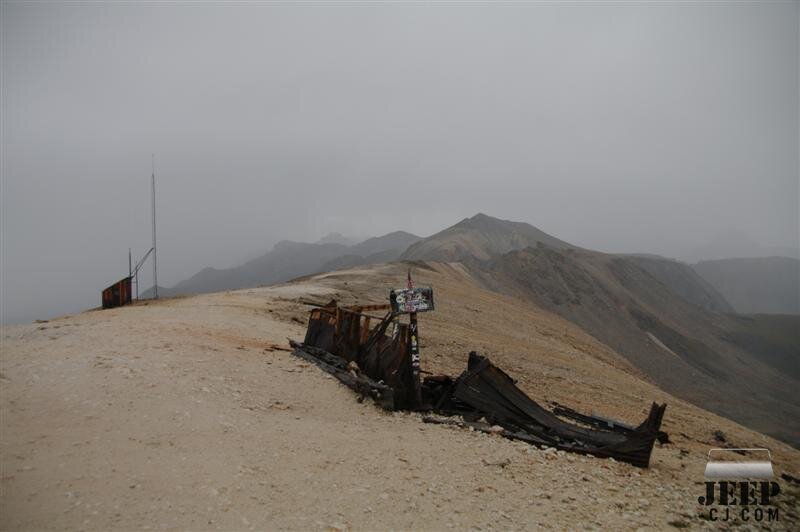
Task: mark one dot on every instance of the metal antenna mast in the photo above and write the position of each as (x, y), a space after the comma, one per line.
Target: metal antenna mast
(155, 265)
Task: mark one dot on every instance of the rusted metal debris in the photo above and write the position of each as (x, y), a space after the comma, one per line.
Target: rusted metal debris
(487, 391)
(376, 361)
(384, 358)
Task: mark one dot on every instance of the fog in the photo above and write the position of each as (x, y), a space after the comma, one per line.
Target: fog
(657, 128)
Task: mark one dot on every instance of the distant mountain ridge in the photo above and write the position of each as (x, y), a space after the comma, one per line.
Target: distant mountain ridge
(480, 237)
(730, 285)
(386, 248)
(288, 260)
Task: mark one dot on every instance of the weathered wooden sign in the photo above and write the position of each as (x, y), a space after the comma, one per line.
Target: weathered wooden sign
(410, 300)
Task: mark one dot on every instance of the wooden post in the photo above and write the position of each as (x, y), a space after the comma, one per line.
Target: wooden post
(414, 348)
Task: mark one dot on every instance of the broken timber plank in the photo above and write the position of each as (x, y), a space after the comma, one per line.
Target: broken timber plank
(338, 367)
(487, 428)
(602, 422)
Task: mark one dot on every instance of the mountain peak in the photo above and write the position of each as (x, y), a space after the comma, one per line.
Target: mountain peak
(480, 237)
(478, 219)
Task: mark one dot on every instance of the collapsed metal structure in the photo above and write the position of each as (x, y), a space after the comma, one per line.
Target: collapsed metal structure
(377, 362)
(380, 361)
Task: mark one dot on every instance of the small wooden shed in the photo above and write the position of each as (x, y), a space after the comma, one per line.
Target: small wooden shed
(117, 294)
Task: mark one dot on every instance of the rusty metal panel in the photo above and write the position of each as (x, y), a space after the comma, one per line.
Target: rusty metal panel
(346, 333)
(117, 294)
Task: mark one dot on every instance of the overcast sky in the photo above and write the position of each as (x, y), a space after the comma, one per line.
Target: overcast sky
(621, 127)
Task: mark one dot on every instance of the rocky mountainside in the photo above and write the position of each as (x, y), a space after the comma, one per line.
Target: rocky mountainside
(768, 285)
(703, 356)
(664, 318)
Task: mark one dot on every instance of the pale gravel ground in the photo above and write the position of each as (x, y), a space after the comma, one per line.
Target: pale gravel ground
(173, 415)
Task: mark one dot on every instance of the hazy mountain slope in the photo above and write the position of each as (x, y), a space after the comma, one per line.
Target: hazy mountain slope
(732, 242)
(285, 261)
(397, 240)
(336, 238)
(480, 237)
(689, 351)
(163, 291)
(384, 248)
(350, 261)
(775, 338)
(682, 280)
(756, 285)
(288, 260)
